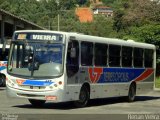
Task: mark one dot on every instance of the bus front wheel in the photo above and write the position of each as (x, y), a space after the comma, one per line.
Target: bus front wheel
(37, 103)
(131, 93)
(83, 97)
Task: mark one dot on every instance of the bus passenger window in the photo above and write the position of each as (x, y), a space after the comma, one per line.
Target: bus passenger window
(114, 55)
(138, 57)
(72, 58)
(100, 58)
(86, 53)
(127, 56)
(148, 56)
(4, 54)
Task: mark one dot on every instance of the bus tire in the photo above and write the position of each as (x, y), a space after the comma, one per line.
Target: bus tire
(83, 97)
(37, 103)
(131, 93)
(2, 81)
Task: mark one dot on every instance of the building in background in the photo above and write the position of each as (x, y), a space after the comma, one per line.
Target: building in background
(104, 10)
(9, 23)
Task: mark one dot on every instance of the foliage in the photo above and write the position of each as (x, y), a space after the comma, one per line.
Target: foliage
(133, 19)
(136, 13)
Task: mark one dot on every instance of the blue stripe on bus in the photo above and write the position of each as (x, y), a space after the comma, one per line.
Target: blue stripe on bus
(37, 83)
(2, 68)
(119, 74)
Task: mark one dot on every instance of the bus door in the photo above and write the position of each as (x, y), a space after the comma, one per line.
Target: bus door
(72, 65)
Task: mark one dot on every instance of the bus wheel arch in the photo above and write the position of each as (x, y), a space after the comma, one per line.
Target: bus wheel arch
(84, 96)
(131, 92)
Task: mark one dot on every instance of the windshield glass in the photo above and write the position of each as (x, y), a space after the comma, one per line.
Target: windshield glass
(36, 59)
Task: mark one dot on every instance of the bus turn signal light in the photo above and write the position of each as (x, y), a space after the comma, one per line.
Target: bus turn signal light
(60, 82)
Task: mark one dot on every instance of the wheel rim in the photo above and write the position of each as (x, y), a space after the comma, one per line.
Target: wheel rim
(83, 96)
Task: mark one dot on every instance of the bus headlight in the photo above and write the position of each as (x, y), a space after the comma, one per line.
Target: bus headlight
(55, 85)
(51, 87)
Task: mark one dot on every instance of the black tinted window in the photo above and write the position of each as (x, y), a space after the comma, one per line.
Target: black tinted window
(148, 55)
(114, 55)
(126, 56)
(86, 53)
(100, 54)
(138, 57)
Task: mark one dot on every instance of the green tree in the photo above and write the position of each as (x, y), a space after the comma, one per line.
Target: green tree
(147, 33)
(5, 5)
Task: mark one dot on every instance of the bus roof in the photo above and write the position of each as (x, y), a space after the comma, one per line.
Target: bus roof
(113, 41)
(96, 39)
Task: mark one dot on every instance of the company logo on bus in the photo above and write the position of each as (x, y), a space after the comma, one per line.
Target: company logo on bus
(95, 74)
(3, 64)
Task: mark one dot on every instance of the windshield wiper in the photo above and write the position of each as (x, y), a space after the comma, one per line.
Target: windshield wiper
(32, 64)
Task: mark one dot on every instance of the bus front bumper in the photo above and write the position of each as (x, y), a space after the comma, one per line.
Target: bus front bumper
(52, 95)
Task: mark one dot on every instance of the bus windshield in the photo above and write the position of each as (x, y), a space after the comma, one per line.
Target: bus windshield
(32, 59)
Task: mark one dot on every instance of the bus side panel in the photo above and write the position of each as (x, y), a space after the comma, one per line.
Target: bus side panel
(72, 88)
(97, 90)
(72, 92)
(108, 90)
(110, 82)
(146, 85)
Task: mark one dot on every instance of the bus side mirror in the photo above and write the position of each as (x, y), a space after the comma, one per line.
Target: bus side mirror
(73, 53)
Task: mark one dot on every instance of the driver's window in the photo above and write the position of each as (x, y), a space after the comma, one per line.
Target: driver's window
(27, 56)
(72, 58)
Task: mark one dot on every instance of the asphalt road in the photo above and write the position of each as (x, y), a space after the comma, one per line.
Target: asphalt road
(118, 108)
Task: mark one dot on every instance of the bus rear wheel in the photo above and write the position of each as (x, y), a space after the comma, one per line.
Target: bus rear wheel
(83, 97)
(131, 93)
(37, 103)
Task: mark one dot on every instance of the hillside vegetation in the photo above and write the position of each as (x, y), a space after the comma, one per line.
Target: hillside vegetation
(133, 19)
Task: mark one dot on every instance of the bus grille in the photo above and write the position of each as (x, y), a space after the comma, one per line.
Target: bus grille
(29, 95)
(32, 87)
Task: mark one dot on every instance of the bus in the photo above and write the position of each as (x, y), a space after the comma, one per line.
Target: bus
(65, 66)
(4, 50)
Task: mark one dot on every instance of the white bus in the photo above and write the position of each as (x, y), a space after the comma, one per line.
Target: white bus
(4, 50)
(61, 66)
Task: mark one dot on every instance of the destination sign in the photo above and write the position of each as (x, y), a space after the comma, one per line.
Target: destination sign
(44, 37)
(39, 36)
